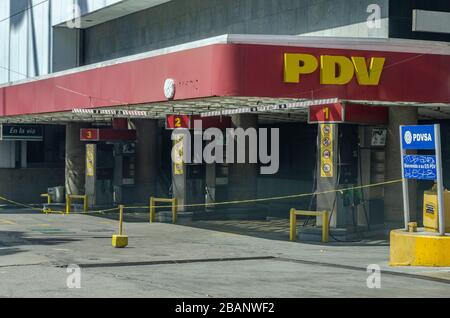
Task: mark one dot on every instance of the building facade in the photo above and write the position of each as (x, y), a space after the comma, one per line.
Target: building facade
(66, 62)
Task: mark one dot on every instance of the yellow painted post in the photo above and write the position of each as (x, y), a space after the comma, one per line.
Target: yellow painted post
(49, 198)
(120, 241)
(152, 210)
(121, 220)
(325, 227)
(85, 205)
(67, 203)
(293, 226)
(174, 211)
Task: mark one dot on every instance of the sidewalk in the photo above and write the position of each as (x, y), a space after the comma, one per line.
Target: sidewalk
(164, 260)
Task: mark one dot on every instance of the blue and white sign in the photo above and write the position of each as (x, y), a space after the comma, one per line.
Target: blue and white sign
(420, 167)
(418, 137)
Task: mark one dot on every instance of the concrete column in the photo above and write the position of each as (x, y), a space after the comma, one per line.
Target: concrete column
(243, 177)
(330, 201)
(210, 176)
(146, 159)
(23, 154)
(75, 160)
(179, 176)
(393, 203)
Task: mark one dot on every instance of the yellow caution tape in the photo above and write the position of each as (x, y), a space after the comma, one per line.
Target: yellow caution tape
(278, 198)
(294, 196)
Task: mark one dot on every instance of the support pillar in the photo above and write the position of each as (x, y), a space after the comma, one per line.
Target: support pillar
(243, 177)
(393, 205)
(329, 201)
(146, 158)
(75, 160)
(179, 172)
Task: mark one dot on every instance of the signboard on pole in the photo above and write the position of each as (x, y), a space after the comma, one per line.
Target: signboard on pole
(326, 150)
(418, 137)
(419, 167)
(422, 167)
(90, 160)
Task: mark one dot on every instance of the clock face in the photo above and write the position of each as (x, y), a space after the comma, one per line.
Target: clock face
(169, 88)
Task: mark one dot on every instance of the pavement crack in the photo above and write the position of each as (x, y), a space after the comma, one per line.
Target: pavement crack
(168, 262)
(356, 268)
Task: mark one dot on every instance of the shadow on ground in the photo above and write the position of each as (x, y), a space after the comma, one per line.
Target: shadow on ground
(11, 241)
(271, 228)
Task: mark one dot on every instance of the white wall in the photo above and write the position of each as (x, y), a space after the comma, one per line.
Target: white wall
(26, 35)
(25, 39)
(29, 47)
(63, 9)
(356, 30)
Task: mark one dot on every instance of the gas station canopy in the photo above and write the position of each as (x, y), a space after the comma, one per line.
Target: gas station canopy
(234, 72)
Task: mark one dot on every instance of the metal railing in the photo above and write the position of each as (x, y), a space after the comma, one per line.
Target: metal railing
(70, 197)
(293, 223)
(154, 201)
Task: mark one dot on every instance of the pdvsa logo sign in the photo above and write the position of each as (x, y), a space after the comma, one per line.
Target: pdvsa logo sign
(408, 137)
(418, 137)
(334, 70)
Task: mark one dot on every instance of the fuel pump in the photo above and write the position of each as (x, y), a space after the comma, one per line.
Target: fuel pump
(109, 164)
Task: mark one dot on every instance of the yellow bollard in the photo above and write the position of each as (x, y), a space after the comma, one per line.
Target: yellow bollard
(293, 226)
(120, 241)
(49, 198)
(85, 204)
(293, 223)
(67, 204)
(174, 211)
(325, 226)
(152, 210)
(412, 227)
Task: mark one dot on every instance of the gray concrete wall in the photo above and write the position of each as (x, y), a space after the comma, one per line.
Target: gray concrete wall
(182, 21)
(66, 48)
(26, 185)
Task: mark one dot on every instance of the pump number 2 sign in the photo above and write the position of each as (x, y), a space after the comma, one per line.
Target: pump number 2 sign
(178, 122)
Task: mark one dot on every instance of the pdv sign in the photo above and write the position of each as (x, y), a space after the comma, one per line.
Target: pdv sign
(418, 137)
